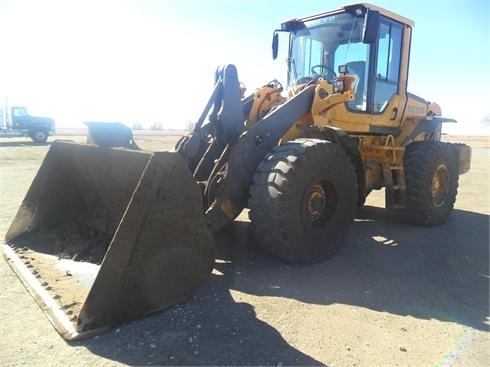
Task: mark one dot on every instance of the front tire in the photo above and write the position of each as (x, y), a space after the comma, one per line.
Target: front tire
(431, 174)
(303, 200)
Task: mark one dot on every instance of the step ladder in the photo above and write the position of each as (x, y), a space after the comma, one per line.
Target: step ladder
(395, 186)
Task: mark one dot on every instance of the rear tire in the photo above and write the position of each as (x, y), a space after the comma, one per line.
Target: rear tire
(39, 136)
(303, 200)
(431, 174)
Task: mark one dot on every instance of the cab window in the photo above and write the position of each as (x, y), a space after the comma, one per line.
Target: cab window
(356, 56)
(19, 112)
(388, 64)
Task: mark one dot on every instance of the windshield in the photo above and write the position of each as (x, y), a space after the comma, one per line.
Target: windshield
(324, 44)
(19, 112)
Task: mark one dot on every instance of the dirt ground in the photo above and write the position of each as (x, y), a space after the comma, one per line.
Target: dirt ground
(394, 295)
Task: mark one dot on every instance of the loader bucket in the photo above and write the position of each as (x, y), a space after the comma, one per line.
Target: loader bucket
(108, 235)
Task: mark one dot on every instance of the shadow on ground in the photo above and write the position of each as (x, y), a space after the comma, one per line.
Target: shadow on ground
(26, 143)
(428, 273)
(210, 329)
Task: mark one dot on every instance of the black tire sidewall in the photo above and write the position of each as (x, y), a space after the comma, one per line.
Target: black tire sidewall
(421, 209)
(322, 168)
(34, 136)
(289, 236)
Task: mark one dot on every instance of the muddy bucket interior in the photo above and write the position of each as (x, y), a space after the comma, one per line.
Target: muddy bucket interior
(107, 235)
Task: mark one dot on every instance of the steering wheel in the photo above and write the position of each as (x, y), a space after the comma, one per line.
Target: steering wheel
(327, 72)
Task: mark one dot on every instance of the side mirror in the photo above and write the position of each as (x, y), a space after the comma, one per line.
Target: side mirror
(275, 45)
(371, 27)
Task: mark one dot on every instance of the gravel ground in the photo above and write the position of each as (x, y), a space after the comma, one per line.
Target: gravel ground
(394, 295)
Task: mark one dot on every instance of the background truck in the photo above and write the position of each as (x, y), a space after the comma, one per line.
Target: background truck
(15, 121)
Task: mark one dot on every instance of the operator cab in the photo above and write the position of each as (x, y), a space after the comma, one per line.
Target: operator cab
(360, 40)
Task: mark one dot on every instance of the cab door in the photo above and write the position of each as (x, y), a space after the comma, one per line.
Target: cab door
(380, 87)
(385, 84)
(20, 118)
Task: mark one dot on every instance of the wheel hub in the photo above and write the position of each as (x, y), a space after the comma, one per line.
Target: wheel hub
(317, 202)
(440, 186)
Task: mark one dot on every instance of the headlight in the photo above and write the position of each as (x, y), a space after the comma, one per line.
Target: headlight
(338, 86)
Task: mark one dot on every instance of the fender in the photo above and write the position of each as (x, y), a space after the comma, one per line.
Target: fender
(427, 125)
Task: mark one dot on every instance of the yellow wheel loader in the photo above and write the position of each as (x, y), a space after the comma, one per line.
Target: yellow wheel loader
(109, 234)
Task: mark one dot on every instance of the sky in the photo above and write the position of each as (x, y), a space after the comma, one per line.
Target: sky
(153, 61)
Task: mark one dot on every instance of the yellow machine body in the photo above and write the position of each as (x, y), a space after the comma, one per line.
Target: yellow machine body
(106, 235)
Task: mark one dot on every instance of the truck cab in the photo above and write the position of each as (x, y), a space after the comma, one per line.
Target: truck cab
(16, 122)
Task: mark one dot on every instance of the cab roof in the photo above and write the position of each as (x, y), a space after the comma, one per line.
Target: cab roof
(364, 6)
(384, 12)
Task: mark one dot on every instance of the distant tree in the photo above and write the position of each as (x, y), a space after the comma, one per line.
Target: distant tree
(156, 126)
(189, 125)
(137, 126)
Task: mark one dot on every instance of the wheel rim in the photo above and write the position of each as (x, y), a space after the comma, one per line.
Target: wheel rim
(440, 186)
(320, 204)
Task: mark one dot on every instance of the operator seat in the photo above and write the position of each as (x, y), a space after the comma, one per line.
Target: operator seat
(358, 68)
